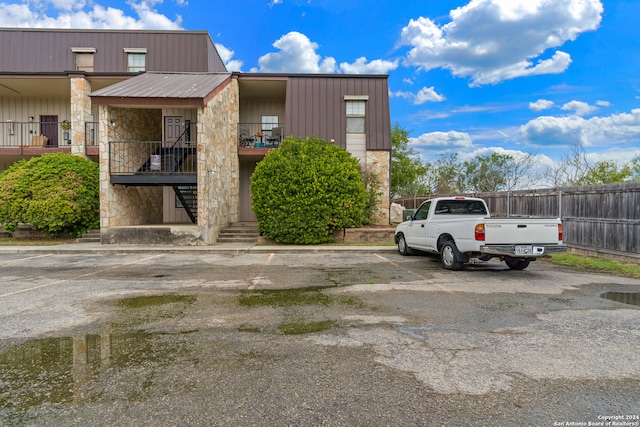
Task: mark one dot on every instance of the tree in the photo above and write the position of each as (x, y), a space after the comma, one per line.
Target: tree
(407, 170)
(306, 190)
(485, 174)
(55, 193)
(571, 169)
(605, 172)
(445, 175)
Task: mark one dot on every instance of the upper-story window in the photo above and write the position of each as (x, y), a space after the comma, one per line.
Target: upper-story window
(84, 58)
(356, 113)
(136, 59)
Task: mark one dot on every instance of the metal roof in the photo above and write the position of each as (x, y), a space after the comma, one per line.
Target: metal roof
(165, 85)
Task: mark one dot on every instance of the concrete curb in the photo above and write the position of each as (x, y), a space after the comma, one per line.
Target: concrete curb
(225, 248)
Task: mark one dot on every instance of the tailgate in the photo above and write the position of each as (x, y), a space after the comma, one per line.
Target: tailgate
(501, 231)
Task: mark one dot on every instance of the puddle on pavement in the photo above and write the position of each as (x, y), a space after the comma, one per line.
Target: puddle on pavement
(53, 371)
(294, 322)
(59, 370)
(632, 298)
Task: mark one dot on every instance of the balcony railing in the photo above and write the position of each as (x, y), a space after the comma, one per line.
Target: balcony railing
(260, 135)
(152, 158)
(34, 134)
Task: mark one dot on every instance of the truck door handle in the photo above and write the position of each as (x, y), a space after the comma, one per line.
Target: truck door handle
(422, 225)
(522, 225)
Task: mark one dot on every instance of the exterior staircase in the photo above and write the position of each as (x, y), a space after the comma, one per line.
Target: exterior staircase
(188, 196)
(239, 233)
(91, 236)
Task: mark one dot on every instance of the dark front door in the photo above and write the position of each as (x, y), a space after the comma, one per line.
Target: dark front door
(172, 128)
(49, 128)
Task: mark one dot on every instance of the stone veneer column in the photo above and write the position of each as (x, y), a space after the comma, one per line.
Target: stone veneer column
(379, 163)
(218, 164)
(80, 114)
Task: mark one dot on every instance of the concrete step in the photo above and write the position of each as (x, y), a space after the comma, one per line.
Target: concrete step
(91, 236)
(239, 233)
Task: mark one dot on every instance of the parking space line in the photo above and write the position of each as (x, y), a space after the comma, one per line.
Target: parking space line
(266, 261)
(35, 288)
(25, 259)
(431, 282)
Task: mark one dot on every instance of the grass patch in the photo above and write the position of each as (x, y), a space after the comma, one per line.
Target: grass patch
(302, 327)
(35, 241)
(154, 300)
(597, 265)
(285, 297)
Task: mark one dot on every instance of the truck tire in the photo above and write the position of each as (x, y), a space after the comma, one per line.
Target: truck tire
(402, 246)
(517, 264)
(450, 256)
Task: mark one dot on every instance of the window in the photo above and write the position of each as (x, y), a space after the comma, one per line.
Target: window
(84, 58)
(136, 60)
(269, 122)
(422, 212)
(355, 115)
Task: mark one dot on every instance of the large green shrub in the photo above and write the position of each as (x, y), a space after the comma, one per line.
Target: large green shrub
(305, 190)
(55, 193)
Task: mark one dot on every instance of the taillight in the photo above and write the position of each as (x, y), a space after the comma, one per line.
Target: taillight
(560, 232)
(480, 232)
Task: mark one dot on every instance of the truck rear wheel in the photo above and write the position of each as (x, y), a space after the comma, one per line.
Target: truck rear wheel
(450, 256)
(517, 264)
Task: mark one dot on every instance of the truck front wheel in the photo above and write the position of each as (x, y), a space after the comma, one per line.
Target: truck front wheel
(516, 264)
(402, 246)
(450, 256)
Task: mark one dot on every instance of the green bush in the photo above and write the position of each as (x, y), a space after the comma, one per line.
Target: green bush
(305, 190)
(55, 193)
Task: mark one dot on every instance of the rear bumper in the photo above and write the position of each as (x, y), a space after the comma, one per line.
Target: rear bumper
(510, 250)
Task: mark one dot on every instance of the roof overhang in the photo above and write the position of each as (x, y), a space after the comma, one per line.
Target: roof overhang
(163, 90)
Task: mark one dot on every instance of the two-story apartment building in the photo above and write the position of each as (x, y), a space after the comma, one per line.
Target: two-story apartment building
(176, 135)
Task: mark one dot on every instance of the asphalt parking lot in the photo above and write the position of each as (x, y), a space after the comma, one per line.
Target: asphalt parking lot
(339, 338)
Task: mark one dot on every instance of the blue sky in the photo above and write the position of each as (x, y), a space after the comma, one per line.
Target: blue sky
(466, 76)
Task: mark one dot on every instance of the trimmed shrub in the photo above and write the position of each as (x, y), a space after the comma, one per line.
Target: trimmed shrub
(305, 190)
(56, 193)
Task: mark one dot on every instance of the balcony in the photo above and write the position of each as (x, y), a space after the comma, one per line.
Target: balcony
(153, 163)
(34, 138)
(258, 138)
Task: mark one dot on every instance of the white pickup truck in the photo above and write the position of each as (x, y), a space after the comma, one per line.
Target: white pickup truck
(460, 228)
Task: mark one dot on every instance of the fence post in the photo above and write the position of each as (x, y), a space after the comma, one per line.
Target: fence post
(560, 204)
(508, 204)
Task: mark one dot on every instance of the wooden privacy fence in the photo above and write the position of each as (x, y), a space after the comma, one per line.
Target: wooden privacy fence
(601, 218)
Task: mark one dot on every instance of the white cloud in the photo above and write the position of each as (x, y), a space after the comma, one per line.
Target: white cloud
(75, 14)
(361, 66)
(226, 54)
(442, 141)
(490, 41)
(603, 104)
(580, 108)
(296, 54)
(426, 94)
(541, 104)
(602, 131)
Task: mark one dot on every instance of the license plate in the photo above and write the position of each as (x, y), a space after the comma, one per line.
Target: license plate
(524, 249)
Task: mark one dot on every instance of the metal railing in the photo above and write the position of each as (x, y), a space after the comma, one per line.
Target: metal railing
(260, 135)
(152, 158)
(34, 134)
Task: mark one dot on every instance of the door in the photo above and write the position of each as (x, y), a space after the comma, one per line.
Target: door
(416, 234)
(246, 214)
(172, 128)
(49, 128)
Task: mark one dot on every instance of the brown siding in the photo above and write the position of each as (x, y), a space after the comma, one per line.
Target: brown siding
(49, 51)
(316, 107)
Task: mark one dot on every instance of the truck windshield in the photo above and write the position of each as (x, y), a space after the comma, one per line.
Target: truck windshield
(464, 207)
